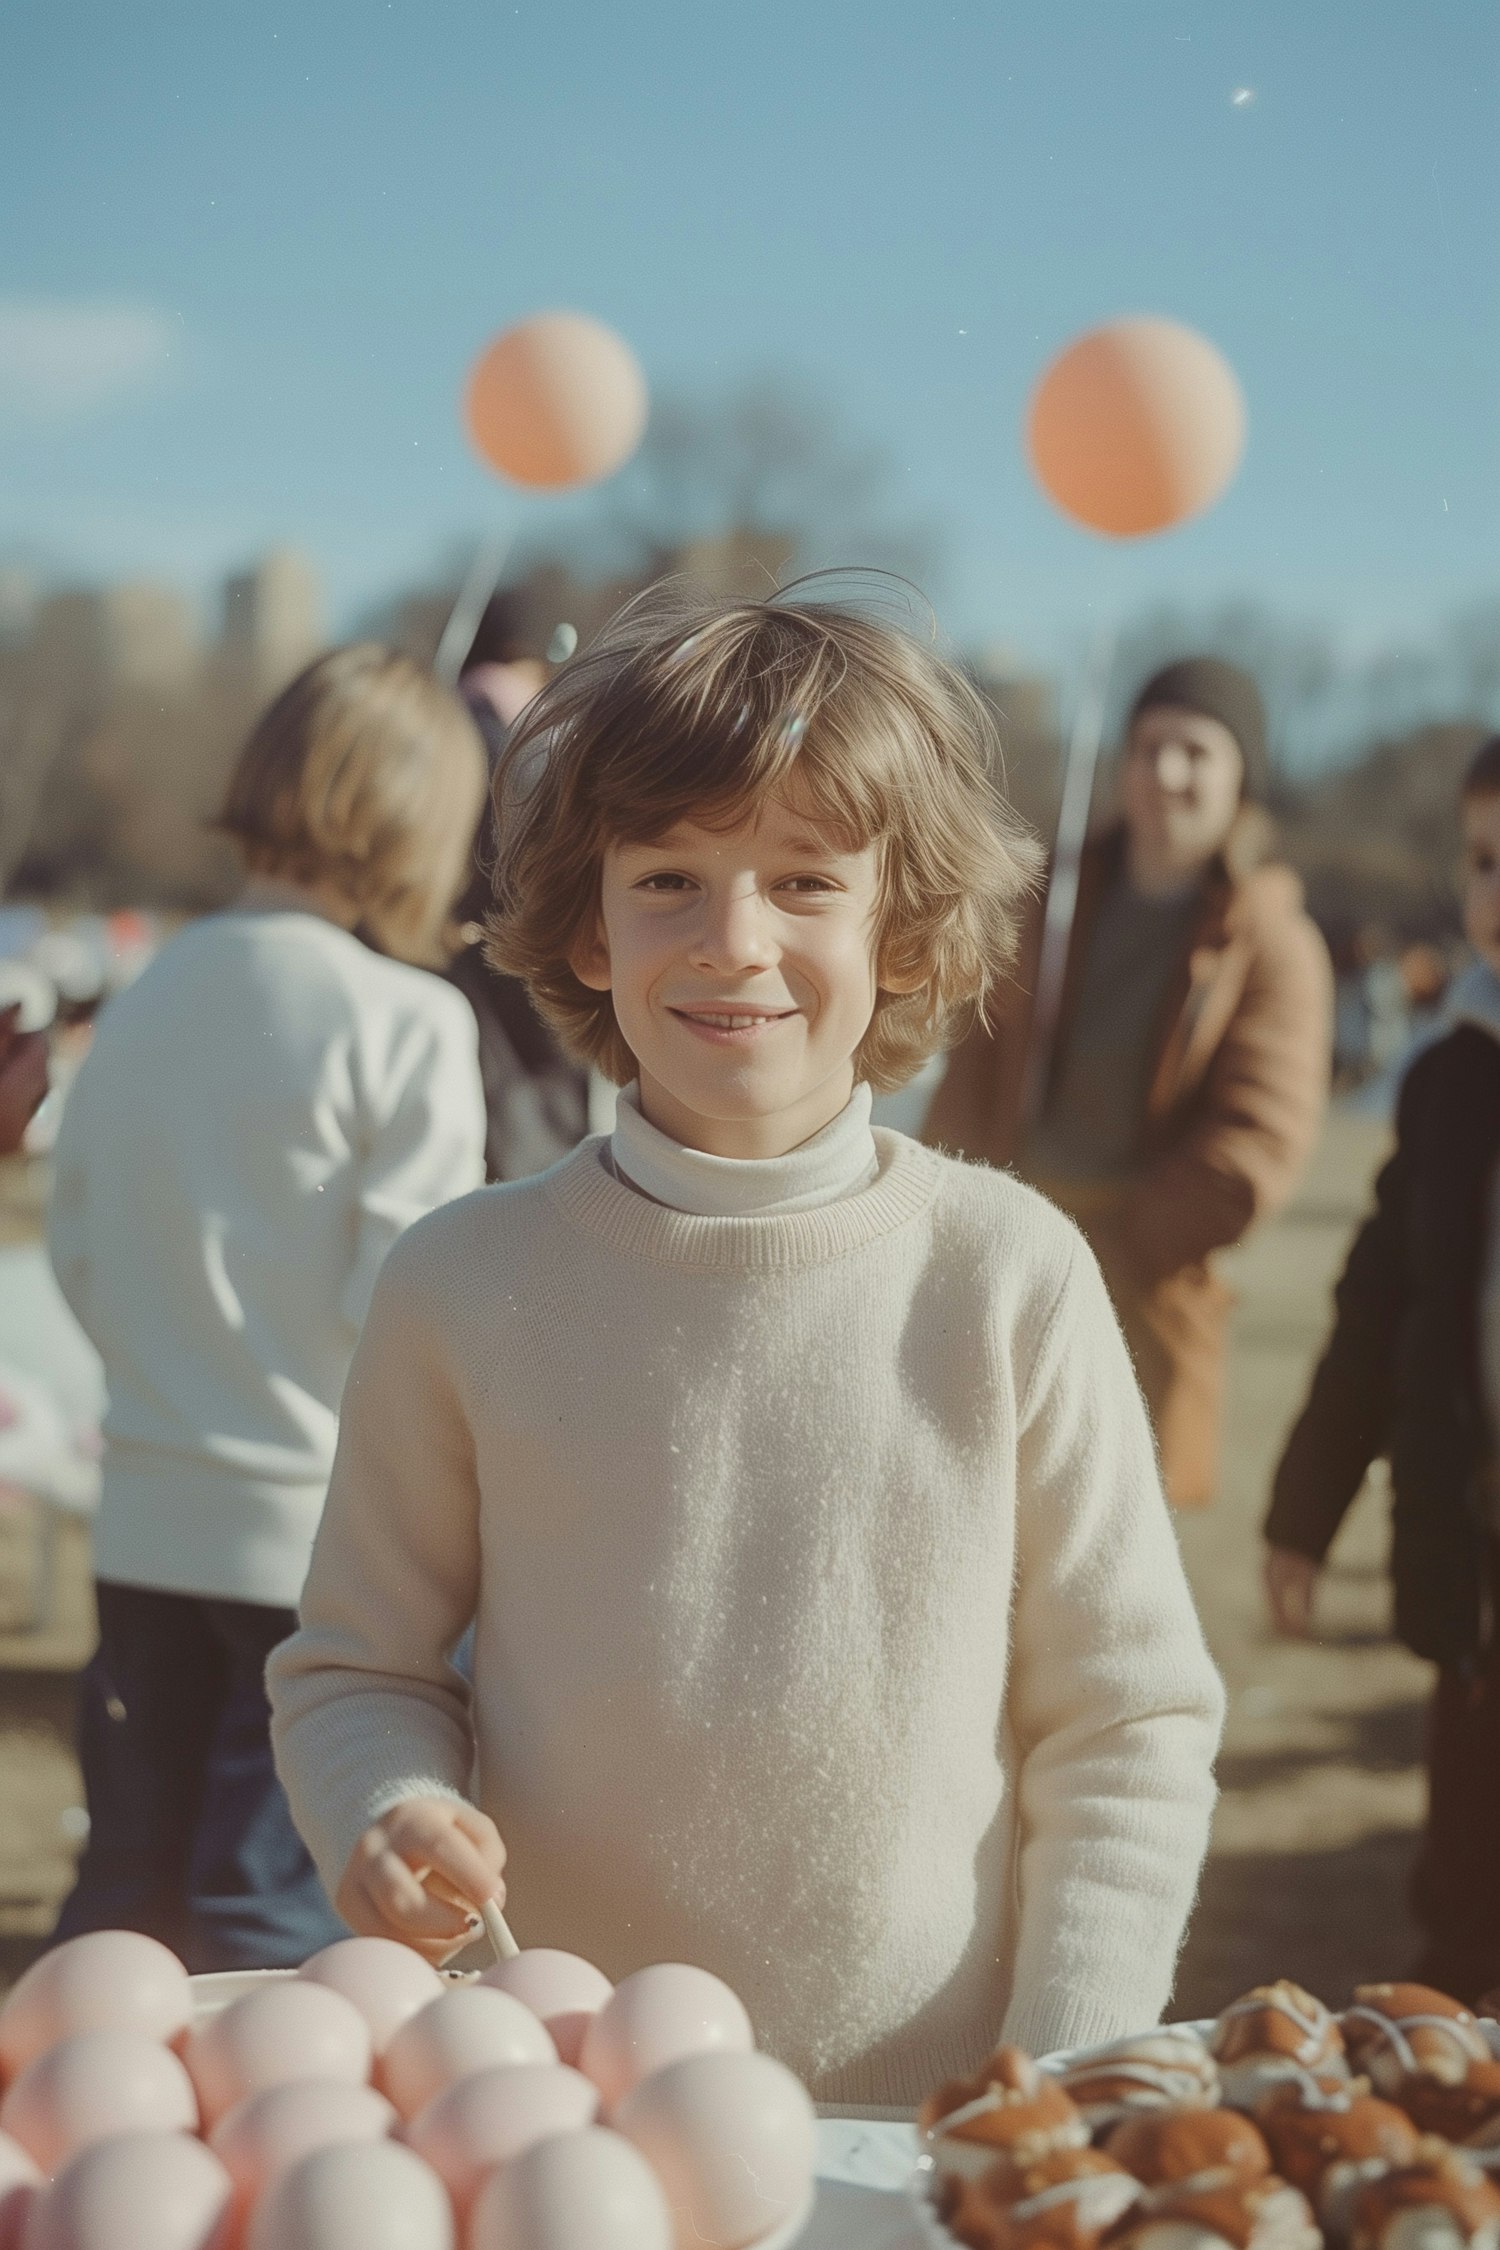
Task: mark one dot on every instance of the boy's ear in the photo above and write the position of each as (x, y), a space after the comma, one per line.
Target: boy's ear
(899, 977)
(589, 959)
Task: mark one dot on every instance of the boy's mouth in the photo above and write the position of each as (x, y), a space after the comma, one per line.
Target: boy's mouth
(730, 1025)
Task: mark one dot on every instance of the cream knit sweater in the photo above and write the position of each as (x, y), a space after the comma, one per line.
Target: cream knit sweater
(831, 1630)
(259, 1117)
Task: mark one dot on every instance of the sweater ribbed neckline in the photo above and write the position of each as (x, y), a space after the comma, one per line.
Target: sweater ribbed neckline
(837, 1161)
(625, 1221)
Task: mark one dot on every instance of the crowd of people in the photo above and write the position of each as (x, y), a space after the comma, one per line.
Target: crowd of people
(744, 1531)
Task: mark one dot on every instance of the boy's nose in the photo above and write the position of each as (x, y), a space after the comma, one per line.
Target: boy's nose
(1174, 768)
(734, 934)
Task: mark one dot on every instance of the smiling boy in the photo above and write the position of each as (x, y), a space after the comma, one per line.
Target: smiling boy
(830, 1628)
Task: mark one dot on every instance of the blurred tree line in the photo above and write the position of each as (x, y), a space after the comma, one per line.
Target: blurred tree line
(119, 718)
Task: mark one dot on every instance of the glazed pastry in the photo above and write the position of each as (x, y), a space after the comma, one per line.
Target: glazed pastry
(1208, 2147)
(1396, 2032)
(1331, 2149)
(1008, 2108)
(1275, 2033)
(1441, 2202)
(1468, 2111)
(1160, 2070)
(1262, 2214)
(1066, 2201)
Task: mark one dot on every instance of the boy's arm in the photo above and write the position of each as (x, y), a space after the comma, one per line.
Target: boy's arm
(1344, 1425)
(1114, 1706)
(427, 1145)
(366, 1710)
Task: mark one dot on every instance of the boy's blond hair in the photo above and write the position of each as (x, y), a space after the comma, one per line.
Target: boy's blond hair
(364, 774)
(701, 710)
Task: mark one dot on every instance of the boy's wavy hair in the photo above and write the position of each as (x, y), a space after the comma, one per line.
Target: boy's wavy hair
(694, 709)
(366, 775)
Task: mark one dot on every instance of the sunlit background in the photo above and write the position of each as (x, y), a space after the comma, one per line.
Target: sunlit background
(248, 253)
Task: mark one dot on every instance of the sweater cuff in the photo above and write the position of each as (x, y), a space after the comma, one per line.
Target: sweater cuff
(394, 1793)
(1059, 2017)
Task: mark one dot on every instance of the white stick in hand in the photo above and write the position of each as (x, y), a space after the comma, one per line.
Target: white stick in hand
(497, 1930)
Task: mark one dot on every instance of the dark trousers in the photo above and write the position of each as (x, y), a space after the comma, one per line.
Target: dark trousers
(1456, 1888)
(191, 1838)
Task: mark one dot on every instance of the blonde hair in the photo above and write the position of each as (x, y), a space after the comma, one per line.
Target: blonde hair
(367, 775)
(700, 710)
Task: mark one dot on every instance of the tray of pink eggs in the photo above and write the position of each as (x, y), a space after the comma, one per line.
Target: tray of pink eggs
(368, 2102)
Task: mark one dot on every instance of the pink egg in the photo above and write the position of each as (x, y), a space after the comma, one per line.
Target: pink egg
(470, 2127)
(656, 2016)
(95, 2084)
(146, 2191)
(267, 2131)
(733, 2141)
(377, 2197)
(387, 1982)
(108, 1980)
(573, 2191)
(465, 2030)
(20, 2177)
(562, 1989)
(288, 2031)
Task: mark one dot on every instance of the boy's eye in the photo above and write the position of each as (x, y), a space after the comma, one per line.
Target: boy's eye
(808, 884)
(664, 879)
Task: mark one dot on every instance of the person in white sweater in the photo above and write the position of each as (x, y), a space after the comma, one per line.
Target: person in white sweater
(831, 1630)
(259, 1117)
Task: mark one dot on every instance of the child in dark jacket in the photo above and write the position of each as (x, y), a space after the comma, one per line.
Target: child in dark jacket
(1412, 1373)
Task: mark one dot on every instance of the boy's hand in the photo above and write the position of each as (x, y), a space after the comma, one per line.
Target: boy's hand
(1291, 1584)
(420, 1874)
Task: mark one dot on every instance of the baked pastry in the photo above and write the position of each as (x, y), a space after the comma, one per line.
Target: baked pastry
(1331, 2148)
(1441, 2202)
(1465, 2110)
(1068, 2200)
(1160, 2070)
(1009, 2108)
(1277, 2032)
(1394, 2032)
(1174, 2146)
(1276, 2035)
(1265, 2214)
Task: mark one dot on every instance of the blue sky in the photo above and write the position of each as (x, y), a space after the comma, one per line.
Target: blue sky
(248, 251)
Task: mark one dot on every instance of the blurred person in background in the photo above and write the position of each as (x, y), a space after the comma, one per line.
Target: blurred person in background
(1188, 1077)
(536, 1098)
(1412, 1374)
(260, 1116)
(23, 1078)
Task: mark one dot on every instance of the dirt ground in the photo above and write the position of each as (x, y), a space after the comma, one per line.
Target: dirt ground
(1321, 1781)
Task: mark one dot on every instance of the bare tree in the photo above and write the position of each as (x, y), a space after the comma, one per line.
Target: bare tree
(772, 465)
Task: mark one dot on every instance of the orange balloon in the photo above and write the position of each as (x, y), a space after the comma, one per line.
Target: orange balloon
(1136, 426)
(557, 400)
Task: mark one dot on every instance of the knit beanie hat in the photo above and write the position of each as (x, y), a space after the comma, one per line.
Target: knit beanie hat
(1219, 691)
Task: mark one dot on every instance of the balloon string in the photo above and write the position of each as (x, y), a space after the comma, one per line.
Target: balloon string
(463, 619)
(1067, 858)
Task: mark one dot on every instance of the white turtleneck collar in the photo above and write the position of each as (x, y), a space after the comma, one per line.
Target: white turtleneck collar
(838, 1161)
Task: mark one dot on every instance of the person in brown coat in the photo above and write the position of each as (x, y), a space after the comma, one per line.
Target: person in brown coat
(1187, 1079)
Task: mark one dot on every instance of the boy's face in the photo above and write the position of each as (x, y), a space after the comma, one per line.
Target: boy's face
(1181, 784)
(1481, 876)
(742, 968)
